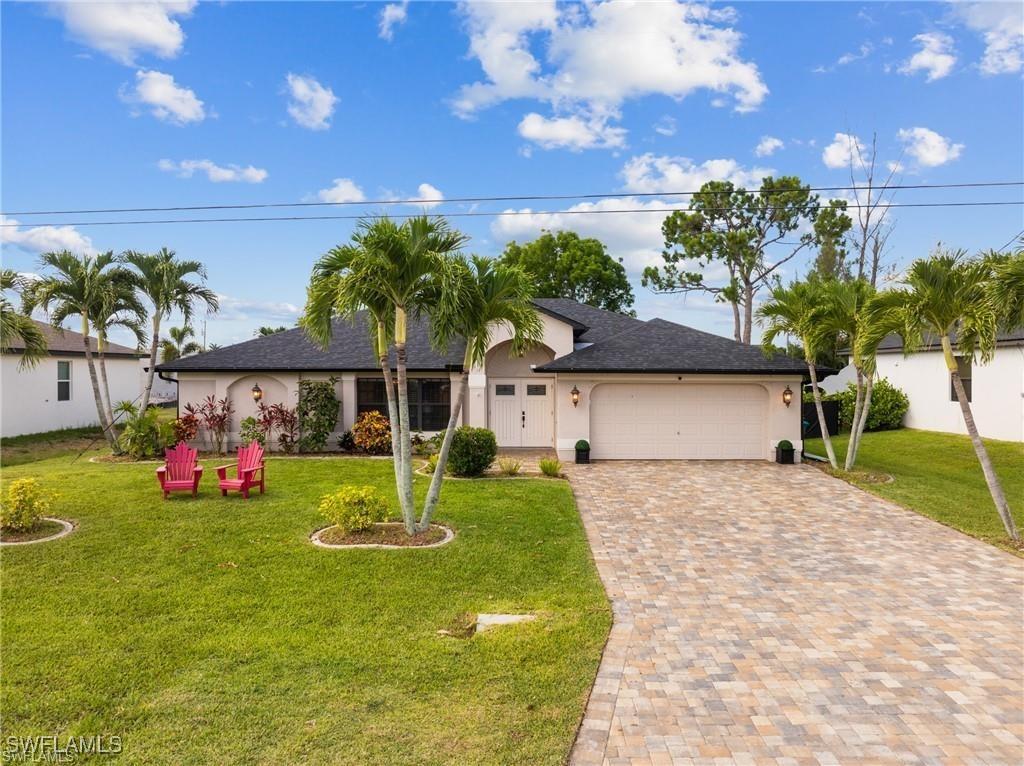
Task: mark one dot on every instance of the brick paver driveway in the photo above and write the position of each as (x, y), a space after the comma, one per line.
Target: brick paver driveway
(772, 614)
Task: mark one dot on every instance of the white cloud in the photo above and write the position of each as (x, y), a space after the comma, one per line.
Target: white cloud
(311, 104)
(427, 191)
(936, 56)
(574, 133)
(391, 16)
(42, 239)
(651, 174)
(1002, 27)
(243, 309)
(928, 147)
(666, 126)
(343, 190)
(214, 172)
(862, 53)
(895, 167)
(767, 146)
(123, 30)
(600, 55)
(842, 150)
(167, 100)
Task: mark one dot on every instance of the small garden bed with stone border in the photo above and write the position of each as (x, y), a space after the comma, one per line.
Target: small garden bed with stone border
(388, 534)
(44, 530)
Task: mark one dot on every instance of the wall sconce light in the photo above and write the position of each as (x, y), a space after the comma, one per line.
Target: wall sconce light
(787, 396)
(257, 393)
(575, 394)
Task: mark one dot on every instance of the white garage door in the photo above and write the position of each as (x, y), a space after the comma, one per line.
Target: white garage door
(678, 421)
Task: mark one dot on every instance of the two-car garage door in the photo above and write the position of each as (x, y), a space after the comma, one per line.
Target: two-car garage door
(678, 421)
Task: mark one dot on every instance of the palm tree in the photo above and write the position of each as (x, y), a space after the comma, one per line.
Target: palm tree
(797, 310)
(120, 307)
(179, 345)
(491, 294)
(1007, 286)
(949, 294)
(393, 270)
(80, 287)
(16, 326)
(266, 330)
(163, 279)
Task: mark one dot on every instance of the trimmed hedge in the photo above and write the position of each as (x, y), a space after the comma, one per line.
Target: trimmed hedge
(472, 451)
(888, 406)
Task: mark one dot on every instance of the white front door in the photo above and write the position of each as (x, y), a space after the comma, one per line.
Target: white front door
(522, 411)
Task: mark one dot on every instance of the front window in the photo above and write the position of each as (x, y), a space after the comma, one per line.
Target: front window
(963, 367)
(63, 381)
(430, 401)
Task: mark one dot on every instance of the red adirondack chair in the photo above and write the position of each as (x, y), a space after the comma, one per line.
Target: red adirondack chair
(180, 471)
(250, 463)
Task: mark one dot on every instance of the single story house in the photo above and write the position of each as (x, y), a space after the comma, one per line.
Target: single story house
(57, 392)
(632, 388)
(996, 389)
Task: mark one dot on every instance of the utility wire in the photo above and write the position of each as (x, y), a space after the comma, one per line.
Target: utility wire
(497, 214)
(1013, 239)
(508, 198)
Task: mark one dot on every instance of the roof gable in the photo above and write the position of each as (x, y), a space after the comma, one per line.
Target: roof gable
(62, 341)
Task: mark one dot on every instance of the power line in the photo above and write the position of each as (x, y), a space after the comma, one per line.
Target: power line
(495, 214)
(1013, 239)
(507, 198)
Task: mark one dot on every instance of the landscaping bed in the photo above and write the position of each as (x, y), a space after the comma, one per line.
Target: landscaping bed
(391, 534)
(43, 529)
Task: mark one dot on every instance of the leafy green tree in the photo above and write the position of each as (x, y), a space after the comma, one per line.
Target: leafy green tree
(265, 330)
(736, 229)
(16, 326)
(564, 265)
(164, 281)
(180, 343)
(831, 228)
(951, 294)
(1007, 286)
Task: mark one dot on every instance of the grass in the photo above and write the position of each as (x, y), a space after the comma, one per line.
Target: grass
(18, 450)
(211, 630)
(938, 475)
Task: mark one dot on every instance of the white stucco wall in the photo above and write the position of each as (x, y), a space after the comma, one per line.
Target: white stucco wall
(29, 397)
(997, 392)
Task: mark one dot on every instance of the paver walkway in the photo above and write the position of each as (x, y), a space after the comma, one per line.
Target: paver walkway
(773, 614)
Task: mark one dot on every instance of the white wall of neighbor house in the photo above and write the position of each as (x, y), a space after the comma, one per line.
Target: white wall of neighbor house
(997, 392)
(573, 423)
(30, 400)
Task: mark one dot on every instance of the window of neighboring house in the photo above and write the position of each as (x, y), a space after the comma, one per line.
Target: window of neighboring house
(63, 381)
(430, 401)
(963, 367)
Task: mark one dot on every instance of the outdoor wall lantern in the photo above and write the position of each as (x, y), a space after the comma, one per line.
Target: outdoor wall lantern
(575, 394)
(787, 396)
(257, 393)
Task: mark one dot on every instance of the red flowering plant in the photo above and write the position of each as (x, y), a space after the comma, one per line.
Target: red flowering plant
(214, 415)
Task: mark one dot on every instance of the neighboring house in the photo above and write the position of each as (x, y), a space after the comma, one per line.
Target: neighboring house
(633, 389)
(164, 390)
(996, 389)
(57, 392)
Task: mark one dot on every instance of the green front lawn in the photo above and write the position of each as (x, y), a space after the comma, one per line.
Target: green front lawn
(938, 475)
(211, 630)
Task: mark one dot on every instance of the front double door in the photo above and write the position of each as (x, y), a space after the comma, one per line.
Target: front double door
(522, 411)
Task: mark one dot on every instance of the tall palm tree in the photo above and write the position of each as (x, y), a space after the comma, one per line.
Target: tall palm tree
(79, 287)
(489, 294)
(797, 310)
(1007, 286)
(179, 344)
(950, 294)
(164, 280)
(119, 307)
(16, 326)
(393, 270)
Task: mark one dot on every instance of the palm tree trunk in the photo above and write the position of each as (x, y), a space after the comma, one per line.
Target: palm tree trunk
(851, 446)
(100, 410)
(995, 488)
(404, 436)
(148, 388)
(434, 493)
(389, 388)
(825, 437)
(101, 356)
(865, 408)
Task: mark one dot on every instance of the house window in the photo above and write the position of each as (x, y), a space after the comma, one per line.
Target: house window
(504, 389)
(536, 390)
(963, 367)
(63, 381)
(430, 401)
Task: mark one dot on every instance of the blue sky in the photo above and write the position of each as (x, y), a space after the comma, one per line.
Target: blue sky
(177, 103)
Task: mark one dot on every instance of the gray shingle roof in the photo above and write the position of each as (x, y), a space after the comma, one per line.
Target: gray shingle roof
(892, 343)
(350, 349)
(662, 346)
(68, 342)
(598, 323)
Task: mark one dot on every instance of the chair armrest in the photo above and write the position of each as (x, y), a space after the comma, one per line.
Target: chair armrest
(198, 470)
(225, 467)
(162, 469)
(252, 470)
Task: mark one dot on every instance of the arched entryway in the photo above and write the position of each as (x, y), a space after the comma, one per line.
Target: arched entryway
(520, 402)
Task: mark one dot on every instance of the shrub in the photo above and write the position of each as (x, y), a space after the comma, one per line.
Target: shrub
(551, 467)
(353, 509)
(347, 442)
(509, 466)
(888, 406)
(432, 462)
(372, 433)
(215, 416)
(785, 444)
(472, 451)
(583, 446)
(317, 413)
(286, 420)
(143, 434)
(250, 431)
(186, 428)
(27, 502)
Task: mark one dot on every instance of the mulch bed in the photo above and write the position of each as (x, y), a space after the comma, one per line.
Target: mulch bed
(383, 534)
(44, 528)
